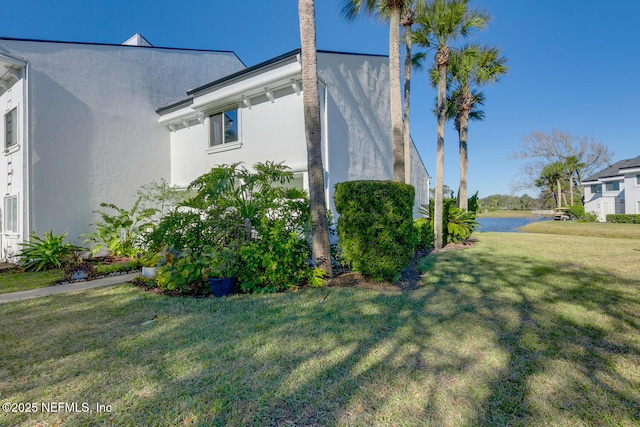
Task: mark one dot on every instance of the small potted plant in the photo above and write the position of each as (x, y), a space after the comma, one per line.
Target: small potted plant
(79, 268)
(221, 272)
(150, 262)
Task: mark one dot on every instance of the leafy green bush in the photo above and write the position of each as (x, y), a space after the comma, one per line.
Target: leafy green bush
(624, 218)
(120, 233)
(590, 217)
(375, 227)
(576, 211)
(424, 233)
(50, 251)
(458, 225)
(249, 214)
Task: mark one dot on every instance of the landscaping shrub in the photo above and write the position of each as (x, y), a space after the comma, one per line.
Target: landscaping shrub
(248, 214)
(424, 234)
(120, 233)
(375, 228)
(576, 211)
(458, 225)
(50, 251)
(624, 218)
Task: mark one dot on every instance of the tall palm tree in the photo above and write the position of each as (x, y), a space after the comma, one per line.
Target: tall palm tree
(408, 19)
(440, 23)
(550, 175)
(392, 10)
(311, 100)
(572, 167)
(469, 68)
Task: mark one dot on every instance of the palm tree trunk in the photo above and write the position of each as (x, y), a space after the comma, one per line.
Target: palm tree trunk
(407, 98)
(559, 199)
(442, 57)
(463, 201)
(395, 96)
(311, 101)
(571, 188)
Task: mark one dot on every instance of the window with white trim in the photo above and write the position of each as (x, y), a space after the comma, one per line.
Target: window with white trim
(638, 179)
(11, 129)
(11, 214)
(596, 188)
(223, 128)
(612, 186)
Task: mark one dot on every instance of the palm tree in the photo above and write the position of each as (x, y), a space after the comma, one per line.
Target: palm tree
(439, 24)
(311, 100)
(408, 19)
(550, 175)
(573, 167)
(470, 68)
(392, 10)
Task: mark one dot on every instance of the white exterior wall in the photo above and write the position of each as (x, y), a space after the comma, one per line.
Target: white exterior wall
(358, 123)
(356, 128)
(12, 168)
(632, 193)
(94, 134)
(268, 130)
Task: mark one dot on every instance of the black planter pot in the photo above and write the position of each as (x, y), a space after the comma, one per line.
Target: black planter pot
(221, 287)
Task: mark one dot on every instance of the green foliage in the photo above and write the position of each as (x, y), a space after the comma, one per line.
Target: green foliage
(120, 233)
(624, 218)
(458, 225)
(375, 227)
(316, 278)
(502, 201)
(590, 217)
(237, 217)
(424, 232)
(117, 267)
(186, 272)
(161, 197)
(473, 203)
(576, 211)
(50, 251)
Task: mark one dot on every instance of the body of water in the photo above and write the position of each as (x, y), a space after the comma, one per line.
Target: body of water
(505, 224)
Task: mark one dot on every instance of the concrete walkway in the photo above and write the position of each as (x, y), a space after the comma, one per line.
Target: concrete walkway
(71, 287)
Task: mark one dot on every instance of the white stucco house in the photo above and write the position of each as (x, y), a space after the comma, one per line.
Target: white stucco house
(86, 123)
(257, 114)
(614, 190)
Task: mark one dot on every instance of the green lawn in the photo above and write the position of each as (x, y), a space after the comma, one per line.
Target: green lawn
(592, 229)
(505, 214)
(12, 281)
(520, 330)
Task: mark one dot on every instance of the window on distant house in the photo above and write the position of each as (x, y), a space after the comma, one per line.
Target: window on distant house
(612, 186)
(638, 179)
(224, 128)
(11, 214)
(10, 129)
(596, 188)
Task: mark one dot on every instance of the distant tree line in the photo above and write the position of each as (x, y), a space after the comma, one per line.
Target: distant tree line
(503, 201)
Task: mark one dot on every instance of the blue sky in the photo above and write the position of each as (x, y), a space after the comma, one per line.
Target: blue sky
(560, 56)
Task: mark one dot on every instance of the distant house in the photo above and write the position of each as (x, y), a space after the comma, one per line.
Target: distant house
(614, 190)
(87, 123)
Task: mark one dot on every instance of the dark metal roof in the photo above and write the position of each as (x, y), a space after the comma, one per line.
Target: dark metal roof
(244, 72)
(249, 70)
(616, 169)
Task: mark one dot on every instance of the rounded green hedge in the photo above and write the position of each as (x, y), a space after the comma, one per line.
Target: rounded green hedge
(375, 227)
